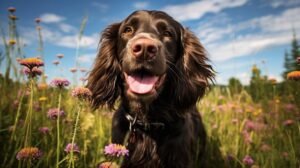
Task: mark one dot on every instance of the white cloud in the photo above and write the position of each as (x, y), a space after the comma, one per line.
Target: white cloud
(226, 42)
(101, 6)
(197, 9)
(51, 18)
(278, 3)
(66, 28)
(90, 42)
(140, 5)
(87, 58)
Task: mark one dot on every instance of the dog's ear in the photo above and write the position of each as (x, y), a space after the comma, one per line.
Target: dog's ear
(104, 79)
(195, 72)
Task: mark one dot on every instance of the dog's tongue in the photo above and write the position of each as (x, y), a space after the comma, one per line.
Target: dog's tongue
(141, 84)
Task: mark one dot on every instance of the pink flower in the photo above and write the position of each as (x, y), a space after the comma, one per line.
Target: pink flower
(288, 122)
(35, 71)
(55, 62)
(54, 113)
(81, 93)
(60, 82)
(248, 160)
(115, 150)
(68, 148)
(73, 70)
(44, 130)
(60, 56)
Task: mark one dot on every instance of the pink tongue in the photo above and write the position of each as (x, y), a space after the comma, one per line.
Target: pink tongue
(141, 85)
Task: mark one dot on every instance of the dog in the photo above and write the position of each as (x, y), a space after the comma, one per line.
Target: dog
(156, 70)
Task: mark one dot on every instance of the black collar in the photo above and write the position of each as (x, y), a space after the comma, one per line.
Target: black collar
(141, 126)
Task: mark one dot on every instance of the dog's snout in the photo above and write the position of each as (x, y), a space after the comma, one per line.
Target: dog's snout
(144, 48)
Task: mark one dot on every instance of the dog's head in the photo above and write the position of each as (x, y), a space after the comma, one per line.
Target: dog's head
(147, 56)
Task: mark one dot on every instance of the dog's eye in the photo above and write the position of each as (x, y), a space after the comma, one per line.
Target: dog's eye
(167, 33)
(128, 30)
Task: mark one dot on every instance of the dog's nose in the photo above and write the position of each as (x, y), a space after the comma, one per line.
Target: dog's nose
(144, 48)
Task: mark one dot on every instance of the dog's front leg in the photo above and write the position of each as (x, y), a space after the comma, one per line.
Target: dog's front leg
(119, 127)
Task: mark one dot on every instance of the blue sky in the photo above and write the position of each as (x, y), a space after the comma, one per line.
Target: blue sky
(236, 33)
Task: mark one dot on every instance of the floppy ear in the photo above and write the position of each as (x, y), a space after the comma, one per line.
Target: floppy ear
(104, 79)
(195, 72)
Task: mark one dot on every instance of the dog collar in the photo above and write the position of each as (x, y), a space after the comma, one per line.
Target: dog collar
(138, 125)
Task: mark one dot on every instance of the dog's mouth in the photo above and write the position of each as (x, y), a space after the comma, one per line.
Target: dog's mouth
(143, 82)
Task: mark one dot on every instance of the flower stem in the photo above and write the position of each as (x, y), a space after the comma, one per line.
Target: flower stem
(28, 117)
(58, 130)
(71, 161)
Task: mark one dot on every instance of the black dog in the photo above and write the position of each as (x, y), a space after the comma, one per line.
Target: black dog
(158, 70)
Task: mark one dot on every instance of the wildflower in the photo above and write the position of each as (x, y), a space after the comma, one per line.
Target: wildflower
(81, 93)
(290, 107)
(29, 153)
(31, 62)
(288, 122)
(68, 148)
(73, 70)
(37, 20)
(42, 99)
(265, 148)
(285, 155)
(254, 69)
(12, 42)
(42, 86)
(55, 62)
(60, 56)
(107, 165)
(44, 130)
(54, 112)
(115, 150)
(248, 160)
(235, 120)
(294, 75)
(60, 82)
(33, 72)
(11, 9)
(13, 17)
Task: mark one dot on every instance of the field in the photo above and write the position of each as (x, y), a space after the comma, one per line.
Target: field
(254, 126)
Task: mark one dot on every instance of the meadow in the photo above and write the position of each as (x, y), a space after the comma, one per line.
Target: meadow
(50, 123)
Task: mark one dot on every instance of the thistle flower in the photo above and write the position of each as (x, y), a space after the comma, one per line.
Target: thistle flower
(11, 9)
(33, 72)
(37, 20)
(54, 112)
(44, 130)
(294, 75)
(60, 82)
(248, 160)
(29, 153)
(55, 62)
(12, 42)
(42, 99)
(38, 27)
(73, 70)
(31, 62)
(115, 150)
(81, 93)
(60, 56)
(69, 146)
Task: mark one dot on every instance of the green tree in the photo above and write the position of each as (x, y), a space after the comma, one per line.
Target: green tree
(235, 85)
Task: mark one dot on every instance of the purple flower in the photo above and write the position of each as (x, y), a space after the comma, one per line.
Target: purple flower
(35, 71)
(29, 153)
(54, 112)
(68, 148)
(60, 82)
(44, 130)
(115, 150)
(288, 122)
(248, 160)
